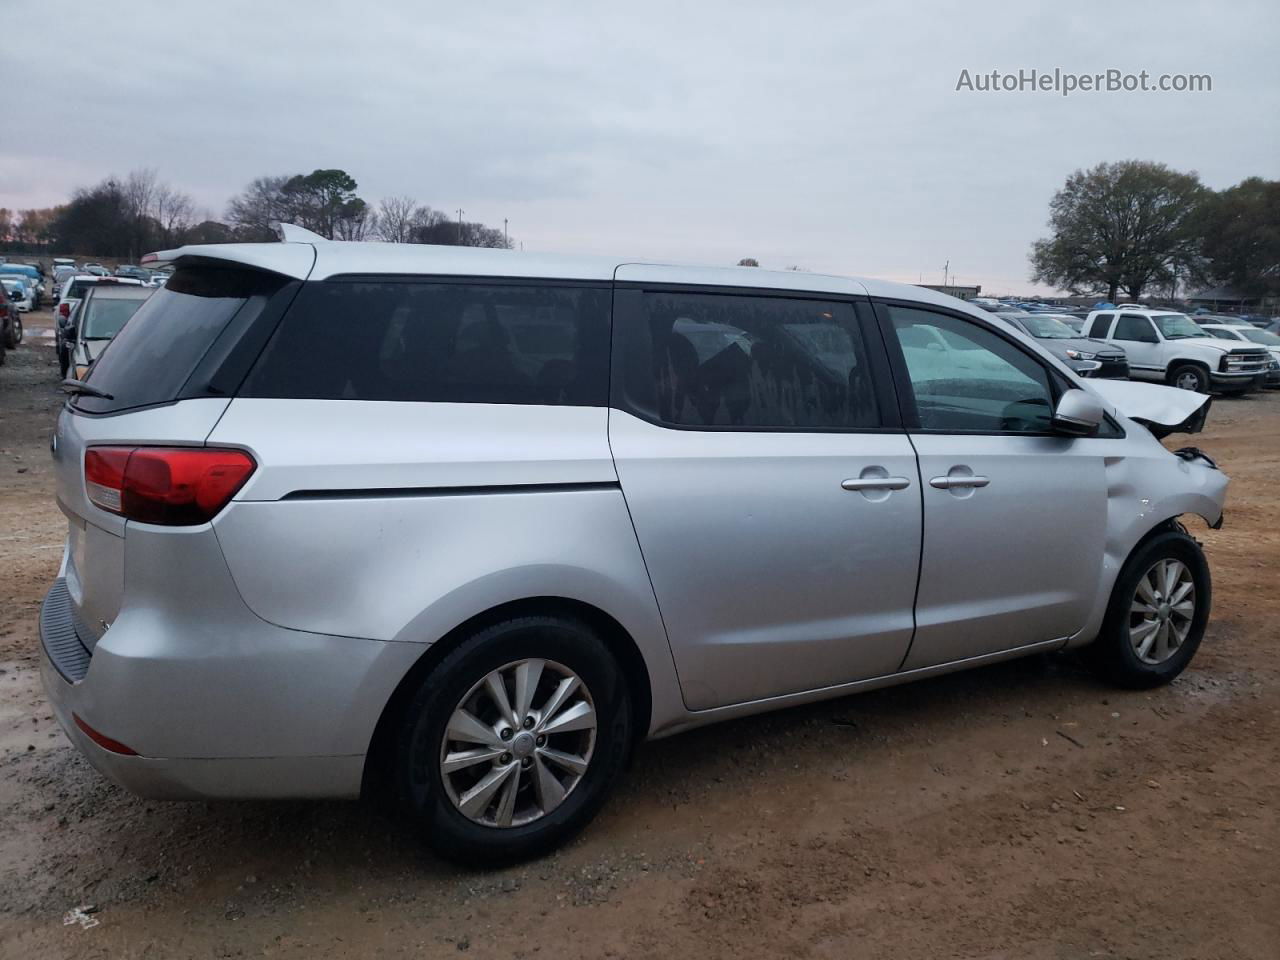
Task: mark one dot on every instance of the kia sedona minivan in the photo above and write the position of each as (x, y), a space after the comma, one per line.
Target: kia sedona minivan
(472, 523)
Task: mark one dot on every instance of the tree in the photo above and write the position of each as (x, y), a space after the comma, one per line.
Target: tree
(748, 262)
(1126, 224)
(432, 226)
(210, 231)
(139, 189)
(325, 202)
(172, 213)
(255, 211)
(395, 219)
(97, 221)
(35, 227)
(1240, 237)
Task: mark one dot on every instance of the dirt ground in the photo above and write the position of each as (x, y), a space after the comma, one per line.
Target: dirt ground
(1020, 811)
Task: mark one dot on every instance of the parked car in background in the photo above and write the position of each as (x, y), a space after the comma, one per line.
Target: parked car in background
(73, 291)
(157, 279)
(1220, 320)
(810, 487)
(60, 274)
(1169, 347)
(1251, 334)
(95, 269)
(133, 272)
(10, 325)
(1074, 321)
(104, 310)
(33, 275)
(18, 292)
(1088, 358)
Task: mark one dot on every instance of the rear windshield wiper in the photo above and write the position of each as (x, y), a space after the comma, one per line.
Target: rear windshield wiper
(81, 389)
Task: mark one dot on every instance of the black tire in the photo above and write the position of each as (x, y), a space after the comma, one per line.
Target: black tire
(64, 363)
(15, 333)
(1181, 376)
(1112, 655)
(421, 738)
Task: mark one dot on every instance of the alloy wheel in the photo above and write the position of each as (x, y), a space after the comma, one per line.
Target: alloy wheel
(518, 743)
(1161, 611)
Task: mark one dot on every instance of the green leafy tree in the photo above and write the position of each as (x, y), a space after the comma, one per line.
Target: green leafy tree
(1239, 232)
(1129, 224)
(325, 201)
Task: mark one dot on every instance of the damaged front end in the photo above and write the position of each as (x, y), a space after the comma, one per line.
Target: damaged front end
(1162, 410)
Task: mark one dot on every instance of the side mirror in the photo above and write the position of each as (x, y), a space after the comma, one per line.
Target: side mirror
(1078, 414)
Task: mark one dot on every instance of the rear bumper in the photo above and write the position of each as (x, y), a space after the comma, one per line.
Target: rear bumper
(215, 701)
(231, 778)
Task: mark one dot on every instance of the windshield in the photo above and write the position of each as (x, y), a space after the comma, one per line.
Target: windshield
(1262, 336)
(1047, 328)
(1176, 326)
(105, 317)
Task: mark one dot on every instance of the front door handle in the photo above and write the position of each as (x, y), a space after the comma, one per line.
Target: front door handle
(953, 483)
(876, 483)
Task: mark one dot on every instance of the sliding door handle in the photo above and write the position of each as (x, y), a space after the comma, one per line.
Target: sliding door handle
(876, 483)
(955, 483)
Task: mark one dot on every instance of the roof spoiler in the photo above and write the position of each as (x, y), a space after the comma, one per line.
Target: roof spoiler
(290, 233)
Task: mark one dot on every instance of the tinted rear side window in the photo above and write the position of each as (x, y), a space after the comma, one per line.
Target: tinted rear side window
(1099, 324)
(744, 362)
(441, 342)
(157, 350)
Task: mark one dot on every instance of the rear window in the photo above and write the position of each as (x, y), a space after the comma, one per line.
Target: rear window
(443, 342)
(105, 315)
(160, 346)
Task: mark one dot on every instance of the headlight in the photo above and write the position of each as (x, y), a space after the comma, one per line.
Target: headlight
(1081, 355)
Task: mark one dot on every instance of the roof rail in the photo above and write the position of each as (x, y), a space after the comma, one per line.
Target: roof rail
(289, 233)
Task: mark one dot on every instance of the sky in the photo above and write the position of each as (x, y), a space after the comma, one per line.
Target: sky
(829, 136)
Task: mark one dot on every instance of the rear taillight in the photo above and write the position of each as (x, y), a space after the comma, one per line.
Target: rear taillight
(64, 310)
(173, 486)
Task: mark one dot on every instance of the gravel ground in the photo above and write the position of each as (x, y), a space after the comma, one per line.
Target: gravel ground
(1017, 811)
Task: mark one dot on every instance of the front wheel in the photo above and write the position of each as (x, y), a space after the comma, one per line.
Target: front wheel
(15, 332)
(515, 740)
(1157, 614)
(1190, 377)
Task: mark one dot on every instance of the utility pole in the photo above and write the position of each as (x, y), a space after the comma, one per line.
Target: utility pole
(459, 226)
(506, 241)
(946, 270)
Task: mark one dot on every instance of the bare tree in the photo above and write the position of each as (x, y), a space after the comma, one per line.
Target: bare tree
(139, 189)
(173, 212)
(262, 204)
(395, 219)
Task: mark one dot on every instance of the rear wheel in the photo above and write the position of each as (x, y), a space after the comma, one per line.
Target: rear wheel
(1190, 377)
(15, 332)
(1157, 614)
(514, 740)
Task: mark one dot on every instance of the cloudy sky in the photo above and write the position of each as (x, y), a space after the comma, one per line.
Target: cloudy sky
(827, 135)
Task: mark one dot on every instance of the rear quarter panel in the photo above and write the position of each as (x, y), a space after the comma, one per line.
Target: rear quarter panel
(419, 516)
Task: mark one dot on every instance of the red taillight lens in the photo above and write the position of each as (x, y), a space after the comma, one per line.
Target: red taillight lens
(64, 309)
(173, 486)
(102, 740)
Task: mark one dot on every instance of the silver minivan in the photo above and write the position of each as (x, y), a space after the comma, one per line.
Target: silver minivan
(471, 523)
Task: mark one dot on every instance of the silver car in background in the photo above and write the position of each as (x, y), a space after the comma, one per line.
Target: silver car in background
(471, 523)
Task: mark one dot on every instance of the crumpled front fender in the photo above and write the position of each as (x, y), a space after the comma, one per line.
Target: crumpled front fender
(1162, 410)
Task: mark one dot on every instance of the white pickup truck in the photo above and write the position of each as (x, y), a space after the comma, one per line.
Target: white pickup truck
(1167, 347)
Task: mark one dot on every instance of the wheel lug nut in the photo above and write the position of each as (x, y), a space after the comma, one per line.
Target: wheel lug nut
(528, 723)
(506, 733)
(541, 741)
(505, 758)
(526, 763)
